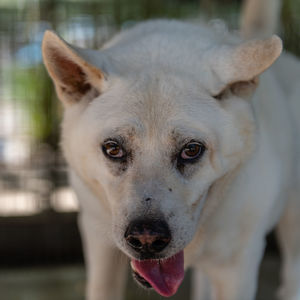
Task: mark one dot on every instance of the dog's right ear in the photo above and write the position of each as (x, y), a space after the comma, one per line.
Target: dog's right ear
(74, 78)
(237, 67)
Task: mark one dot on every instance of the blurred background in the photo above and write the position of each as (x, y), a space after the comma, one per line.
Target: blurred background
(40, 248)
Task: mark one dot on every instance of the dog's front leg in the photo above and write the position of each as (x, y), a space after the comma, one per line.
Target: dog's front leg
(106, 265)
(236, 279)
(200, 285)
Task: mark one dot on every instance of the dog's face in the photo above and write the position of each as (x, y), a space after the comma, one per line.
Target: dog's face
(156, 145)
(154, 141)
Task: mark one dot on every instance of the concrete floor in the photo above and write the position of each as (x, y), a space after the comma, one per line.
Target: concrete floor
(67, 283)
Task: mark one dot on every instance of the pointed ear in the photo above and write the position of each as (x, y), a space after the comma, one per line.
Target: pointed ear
(74, 78)
(238, 67)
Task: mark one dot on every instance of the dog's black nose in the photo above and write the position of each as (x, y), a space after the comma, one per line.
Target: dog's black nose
(148, 237)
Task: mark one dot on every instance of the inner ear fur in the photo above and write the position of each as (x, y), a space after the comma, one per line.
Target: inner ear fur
(74, 78)
(243, 89)
(237, 67)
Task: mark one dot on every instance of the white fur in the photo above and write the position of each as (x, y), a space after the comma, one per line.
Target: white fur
(260, 17)
(158, 83)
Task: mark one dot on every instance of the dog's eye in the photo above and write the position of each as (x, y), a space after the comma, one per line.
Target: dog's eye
(113, 149)
(192, 151)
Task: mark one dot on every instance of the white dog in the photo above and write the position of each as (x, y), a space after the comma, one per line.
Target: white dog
(181, 156)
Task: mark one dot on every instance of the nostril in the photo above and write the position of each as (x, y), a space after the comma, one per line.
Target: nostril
(148, 236)
(159, 245)
(134, 243)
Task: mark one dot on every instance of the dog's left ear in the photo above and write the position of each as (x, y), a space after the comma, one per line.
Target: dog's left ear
(238, 67)
(74, 78)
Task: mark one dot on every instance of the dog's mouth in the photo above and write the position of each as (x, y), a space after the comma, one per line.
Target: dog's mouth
(163, 275)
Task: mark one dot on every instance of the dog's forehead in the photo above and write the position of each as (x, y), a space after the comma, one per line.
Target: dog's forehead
(155, 104)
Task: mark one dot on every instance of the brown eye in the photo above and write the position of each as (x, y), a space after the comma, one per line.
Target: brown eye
(113, 150)
(192, 151)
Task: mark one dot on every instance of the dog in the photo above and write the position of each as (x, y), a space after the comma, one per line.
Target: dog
(183, 149)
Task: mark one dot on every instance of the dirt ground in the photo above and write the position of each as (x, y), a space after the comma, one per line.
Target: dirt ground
(67, 283)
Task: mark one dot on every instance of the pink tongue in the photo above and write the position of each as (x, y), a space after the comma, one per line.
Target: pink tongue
(165, 276)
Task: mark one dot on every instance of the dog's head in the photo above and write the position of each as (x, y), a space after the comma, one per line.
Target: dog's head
(154, 131)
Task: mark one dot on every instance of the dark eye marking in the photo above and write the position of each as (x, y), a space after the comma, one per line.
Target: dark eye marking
(113, 150)
(192, 151)
(189, 154)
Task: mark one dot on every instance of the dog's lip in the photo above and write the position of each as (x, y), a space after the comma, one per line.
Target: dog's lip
(132, 266)
(141, 280)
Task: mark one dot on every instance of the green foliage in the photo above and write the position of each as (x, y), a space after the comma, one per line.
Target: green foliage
(34, 91)
(291, 25)
(32, 86)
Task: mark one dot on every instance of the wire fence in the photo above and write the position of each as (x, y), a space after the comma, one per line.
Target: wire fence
(34, 188)
(37, 206)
